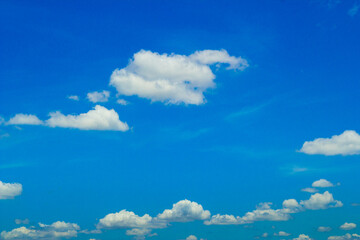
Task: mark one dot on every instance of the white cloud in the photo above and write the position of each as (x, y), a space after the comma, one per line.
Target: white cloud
(53, 231)
(172, 78)
(321, 201)
(302, 237)
(264, 212)
(139, 233)
(191, 237)
(100, 118)
(324, 229)
(347, 236)
(347, 143)
(184, 211)
(265, 235)
(20, 221)
(354, 10)
(322, 183)
(127, 219)
(10, 190)
(282, 234)
(24, 119)
(122, 102)
(73, 97)
(348, 226)
(96, 97)
(310, 190)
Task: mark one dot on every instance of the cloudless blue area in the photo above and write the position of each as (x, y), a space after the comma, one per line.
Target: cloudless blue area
(229, 154)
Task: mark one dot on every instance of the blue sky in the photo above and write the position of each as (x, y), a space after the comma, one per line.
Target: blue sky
(217, 107)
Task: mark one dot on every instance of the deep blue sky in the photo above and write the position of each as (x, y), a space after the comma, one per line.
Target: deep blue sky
(229, 154)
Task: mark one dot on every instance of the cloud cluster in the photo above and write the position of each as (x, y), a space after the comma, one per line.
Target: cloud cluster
(347, 236)
(264, 212)
(99, 118)
(10, 190)
(182, 211)
(172, 78)
(55, 230)
(347, 143)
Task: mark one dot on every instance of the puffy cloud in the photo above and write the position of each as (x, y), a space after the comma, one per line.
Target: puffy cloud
(322, 183)
(282, 234)
(265, 235)
(321, 201)
(310, 190)
(53, 231)
(96, 97)
(139, 233)
(347, 236)
(20, 221)
(172, 78)
(127, 219)
(302, 237)
(348, 226)
(191, 237)
(100, 118)
(10, 190)
(73, 97)
(347, 143)
(324, 229)
(24, 119)
(264, 212)
(122, 102)
(184, 211)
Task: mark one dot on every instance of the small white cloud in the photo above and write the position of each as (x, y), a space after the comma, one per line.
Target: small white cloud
(100, 118)
(354, 10)
(282, 234)
(302, 237)
(24, 119)
(310, 190)
(139, 233)
(184, 211)
(56, 230)
(127, 219)
(10, 190)
(172, 78)
(347, 143)
(324, 229)
(20, 221)
(265, 235)
(96, 97)
(122, 102)
(322, 183)
(4, 135)
(73, 97)
(191, 237)
(348, 226)
(347, 236)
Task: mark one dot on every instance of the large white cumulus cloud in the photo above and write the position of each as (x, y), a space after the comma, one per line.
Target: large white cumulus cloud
(347, 143)
(172, 78)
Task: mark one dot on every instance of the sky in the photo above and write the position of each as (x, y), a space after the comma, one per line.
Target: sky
(179, 120)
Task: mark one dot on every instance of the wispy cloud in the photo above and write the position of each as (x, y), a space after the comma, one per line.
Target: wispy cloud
(354, 10)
